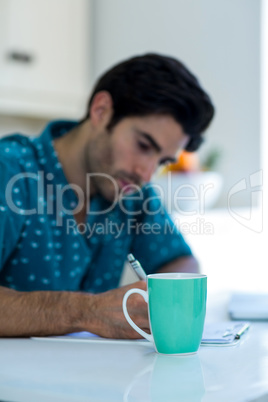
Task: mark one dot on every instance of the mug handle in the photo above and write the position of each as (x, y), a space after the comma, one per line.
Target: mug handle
(144, 294)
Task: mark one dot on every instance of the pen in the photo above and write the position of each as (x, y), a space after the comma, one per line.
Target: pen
(136, 266)
(242, 331)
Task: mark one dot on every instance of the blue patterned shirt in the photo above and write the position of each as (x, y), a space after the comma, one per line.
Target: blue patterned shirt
(42, 247)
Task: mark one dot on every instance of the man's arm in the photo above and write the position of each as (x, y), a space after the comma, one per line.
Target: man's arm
(44, 313)
(182, 264)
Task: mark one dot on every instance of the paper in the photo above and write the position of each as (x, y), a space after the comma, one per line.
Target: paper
(88, 337)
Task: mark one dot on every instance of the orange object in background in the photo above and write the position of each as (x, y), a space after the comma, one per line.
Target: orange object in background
(187, 162)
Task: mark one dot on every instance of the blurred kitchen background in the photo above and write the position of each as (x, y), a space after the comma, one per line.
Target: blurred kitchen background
(52, 51)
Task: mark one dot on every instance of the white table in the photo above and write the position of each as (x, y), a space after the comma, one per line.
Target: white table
(117, 371)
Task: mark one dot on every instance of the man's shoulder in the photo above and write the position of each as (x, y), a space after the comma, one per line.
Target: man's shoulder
(16, 150)
(13, 144)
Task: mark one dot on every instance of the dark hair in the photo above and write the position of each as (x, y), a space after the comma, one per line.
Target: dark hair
(157, 84)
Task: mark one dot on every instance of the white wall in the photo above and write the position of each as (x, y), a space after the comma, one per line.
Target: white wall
(220, 41)
(264, 104)
(22, 125)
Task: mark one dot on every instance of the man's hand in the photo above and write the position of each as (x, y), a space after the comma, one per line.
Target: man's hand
(106, 317)
(44, 313)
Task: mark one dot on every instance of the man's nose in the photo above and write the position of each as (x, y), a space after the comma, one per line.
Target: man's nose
(146, 169)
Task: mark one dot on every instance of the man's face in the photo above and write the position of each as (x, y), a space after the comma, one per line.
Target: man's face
(131, 153)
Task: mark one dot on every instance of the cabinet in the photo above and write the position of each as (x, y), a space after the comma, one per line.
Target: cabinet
(44, 57)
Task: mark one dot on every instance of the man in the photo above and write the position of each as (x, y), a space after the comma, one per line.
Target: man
(76, 200)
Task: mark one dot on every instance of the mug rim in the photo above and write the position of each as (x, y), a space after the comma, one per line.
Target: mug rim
(176, 275)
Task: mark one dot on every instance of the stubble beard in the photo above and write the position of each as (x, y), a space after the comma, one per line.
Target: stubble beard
(98, 162)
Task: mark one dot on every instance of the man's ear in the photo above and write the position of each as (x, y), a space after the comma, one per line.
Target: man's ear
(101, 109)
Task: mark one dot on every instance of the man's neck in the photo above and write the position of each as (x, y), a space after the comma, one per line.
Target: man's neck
(70, 149)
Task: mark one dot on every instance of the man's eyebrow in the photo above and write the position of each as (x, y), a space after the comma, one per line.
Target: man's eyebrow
(157, 147)
(149, 138)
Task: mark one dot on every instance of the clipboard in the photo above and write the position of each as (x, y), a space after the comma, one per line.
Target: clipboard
(227, 333)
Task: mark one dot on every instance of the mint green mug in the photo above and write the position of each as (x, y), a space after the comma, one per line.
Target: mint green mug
(177, 309)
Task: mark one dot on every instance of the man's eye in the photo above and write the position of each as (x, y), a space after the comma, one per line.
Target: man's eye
(164, 163)
(144, 146)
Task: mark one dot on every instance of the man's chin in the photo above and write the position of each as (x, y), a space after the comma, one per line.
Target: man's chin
(114, 197)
